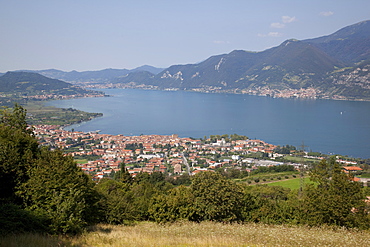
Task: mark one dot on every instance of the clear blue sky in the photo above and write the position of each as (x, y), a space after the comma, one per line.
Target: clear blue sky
(92, 35)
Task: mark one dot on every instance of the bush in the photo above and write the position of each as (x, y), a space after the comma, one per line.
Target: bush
(59, 190)
(14, 219)
(210, 191)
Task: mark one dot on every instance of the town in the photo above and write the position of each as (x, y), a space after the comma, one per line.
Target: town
(101, 155)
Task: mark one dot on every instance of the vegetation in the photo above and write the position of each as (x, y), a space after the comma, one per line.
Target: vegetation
(293, 184)
(226, 137)
(198, 234)
(44, 191)
(38, 113)
(287, 149)
(30, 84)
(31, 90)
(43, 186)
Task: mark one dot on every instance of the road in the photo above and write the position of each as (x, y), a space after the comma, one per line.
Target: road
(186, 163)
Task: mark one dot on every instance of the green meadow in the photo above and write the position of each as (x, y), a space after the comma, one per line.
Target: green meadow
(291, 183)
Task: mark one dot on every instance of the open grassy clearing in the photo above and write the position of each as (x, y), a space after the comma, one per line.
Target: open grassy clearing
(202, 234)
(291, 183)
(268, 177)
(38, 113)
(298, 159)
(39, 107)
(81, 161)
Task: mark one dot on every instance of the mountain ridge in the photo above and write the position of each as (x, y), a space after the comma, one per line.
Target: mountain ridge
(31, 84)
(310, 64)
(313, 65)
(97, 76)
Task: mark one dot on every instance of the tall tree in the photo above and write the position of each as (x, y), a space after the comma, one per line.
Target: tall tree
(18, 152)
(178, 204)
(335, 199)
(60, 191)
(216, 198)
(123, 175)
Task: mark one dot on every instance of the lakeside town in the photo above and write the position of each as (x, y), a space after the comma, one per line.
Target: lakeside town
(288, 93)
(101, 155)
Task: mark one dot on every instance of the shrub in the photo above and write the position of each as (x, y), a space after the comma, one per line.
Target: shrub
(14, 219)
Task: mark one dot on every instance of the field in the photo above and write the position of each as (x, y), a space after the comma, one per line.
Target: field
(38, 113)
(81, 161)
(298, 159)
(291, 183)
(199, 234)
(268, 176)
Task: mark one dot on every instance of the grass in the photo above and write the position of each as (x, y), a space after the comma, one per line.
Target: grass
(268, 175)
(203, 234)
(297, 159)
(35, 107)
(365, 175)
(81, 161)
(291, 183)
(39, 113)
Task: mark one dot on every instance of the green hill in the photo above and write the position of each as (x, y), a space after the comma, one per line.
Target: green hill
(27, 83)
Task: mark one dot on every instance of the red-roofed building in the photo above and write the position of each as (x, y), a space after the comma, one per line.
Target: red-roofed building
(348, 169)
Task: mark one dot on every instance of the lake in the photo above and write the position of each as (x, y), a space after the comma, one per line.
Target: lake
(326, 126)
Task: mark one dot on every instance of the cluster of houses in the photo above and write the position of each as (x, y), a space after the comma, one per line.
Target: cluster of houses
(150, 153)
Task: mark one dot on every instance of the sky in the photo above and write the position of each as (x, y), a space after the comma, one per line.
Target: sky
(98, 34)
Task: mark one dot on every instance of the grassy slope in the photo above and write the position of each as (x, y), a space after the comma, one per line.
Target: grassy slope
(203, 234)
(42, 114)
(291, 183)
(268, 176)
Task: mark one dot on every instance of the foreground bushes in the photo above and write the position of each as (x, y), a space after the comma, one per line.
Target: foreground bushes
(41, 190)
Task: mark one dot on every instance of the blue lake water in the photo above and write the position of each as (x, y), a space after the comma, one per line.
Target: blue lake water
(327, 126)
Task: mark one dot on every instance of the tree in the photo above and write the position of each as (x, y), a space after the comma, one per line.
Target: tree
(48, 187)
(268, 204)
(178, 204)
(18, 152)
(116, 201)
(335, 200)
(123, 175)
(216, 198)
(60, 191)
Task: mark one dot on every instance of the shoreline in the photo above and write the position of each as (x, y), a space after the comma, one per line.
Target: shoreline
(230, 91)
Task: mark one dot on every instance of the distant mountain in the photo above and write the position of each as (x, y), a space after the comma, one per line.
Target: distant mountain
(312, 68)
(84, 76)
(353, 83)
(350, 44)
(27, 84)
(312, 64)
(100, 76)
(136, 76)
(147, 68)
